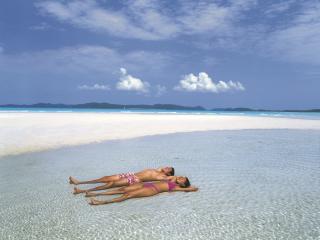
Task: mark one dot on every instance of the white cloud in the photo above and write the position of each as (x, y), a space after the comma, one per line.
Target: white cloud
(89, 15)
(149, 19)
(298, 40)
(278, 7)
(94, 87)
(205, 17)
(130, 83)
(203, 83)
(292, 34)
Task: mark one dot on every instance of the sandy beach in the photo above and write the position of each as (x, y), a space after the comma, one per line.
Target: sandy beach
(29, 132)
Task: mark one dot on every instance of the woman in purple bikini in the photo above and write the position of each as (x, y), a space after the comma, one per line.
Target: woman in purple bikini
(148, 189)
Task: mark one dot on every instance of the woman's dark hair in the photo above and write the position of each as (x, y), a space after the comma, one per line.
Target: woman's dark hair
(171, 172)
(187, 183)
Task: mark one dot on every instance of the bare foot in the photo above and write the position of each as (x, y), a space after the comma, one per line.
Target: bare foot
(77, 190)
(94, 202)
(73, 181)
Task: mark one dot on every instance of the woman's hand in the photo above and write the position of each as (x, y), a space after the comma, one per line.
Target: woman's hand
(191, 189)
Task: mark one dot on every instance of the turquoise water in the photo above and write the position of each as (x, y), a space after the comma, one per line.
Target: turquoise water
(254, 184)
(299, 115)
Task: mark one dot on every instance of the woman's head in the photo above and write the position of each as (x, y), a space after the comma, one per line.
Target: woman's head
(169, 171)
(183, 181)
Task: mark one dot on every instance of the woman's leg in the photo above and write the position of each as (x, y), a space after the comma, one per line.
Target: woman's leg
(121, 190)
(103, 187)
(104, 179)
(142, 192)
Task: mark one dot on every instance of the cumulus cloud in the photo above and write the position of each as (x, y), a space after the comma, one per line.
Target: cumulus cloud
(203, 83)
(130, 83)
(94, 87)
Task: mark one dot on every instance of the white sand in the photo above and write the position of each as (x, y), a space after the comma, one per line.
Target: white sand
(27, 132)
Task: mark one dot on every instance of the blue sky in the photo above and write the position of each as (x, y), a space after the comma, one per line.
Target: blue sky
(249, 53)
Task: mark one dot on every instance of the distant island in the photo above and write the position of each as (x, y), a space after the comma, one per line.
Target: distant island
(94, 105)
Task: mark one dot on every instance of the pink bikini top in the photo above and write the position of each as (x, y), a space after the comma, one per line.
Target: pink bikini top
(171, 186)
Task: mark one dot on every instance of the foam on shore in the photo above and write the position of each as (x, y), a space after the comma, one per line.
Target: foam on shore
(28, 132)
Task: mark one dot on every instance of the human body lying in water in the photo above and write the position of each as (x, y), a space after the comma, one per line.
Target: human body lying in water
(140, 190)
(126, 179)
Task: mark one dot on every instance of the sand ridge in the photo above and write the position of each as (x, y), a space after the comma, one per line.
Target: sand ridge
(28, 132)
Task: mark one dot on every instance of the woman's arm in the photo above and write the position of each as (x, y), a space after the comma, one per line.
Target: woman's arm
(186, 189)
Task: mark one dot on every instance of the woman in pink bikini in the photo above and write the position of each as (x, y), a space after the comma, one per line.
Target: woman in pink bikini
(148, 189)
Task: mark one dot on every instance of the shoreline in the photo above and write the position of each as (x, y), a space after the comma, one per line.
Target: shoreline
(32, 132)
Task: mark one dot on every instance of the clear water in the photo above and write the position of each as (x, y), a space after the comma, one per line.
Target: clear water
(297, 115)
(254, 184)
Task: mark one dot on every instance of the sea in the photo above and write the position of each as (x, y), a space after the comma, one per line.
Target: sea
(297, 115)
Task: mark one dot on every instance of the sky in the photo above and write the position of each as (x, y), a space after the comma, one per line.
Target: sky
(240, 53)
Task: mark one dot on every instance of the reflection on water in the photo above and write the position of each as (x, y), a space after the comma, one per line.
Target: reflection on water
(254, 184)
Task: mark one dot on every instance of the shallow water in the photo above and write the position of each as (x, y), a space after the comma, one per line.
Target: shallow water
(254, 184)
(274, 114)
